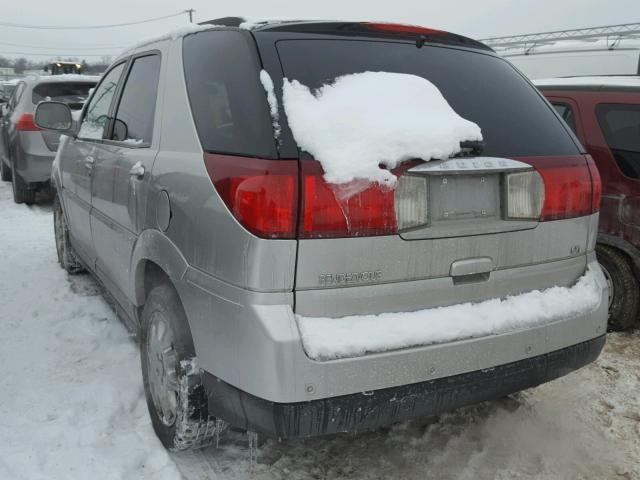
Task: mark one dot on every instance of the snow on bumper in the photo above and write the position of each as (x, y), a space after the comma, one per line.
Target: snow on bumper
(353, 336)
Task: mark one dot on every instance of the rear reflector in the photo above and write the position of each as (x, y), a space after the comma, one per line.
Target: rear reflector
(25, 123)
(525, 195)
(261, 194)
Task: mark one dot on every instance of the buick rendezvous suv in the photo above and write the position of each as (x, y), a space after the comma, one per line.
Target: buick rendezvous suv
(604, 113)
(271, 296)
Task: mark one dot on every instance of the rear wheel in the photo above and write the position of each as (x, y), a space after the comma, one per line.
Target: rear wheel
(176, 397)
(22, 193)
(67, 257)
(624, 294)
(5, 171)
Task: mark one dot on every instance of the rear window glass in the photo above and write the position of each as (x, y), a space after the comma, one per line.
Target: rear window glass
(484, 89)
(621, 127)
(229, 104)
(73, 94)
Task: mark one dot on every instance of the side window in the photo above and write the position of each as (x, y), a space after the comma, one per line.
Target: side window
(137, 107)
(228, 102)
(620, 124)
(17, 93)
(566, 112)
(96, 118)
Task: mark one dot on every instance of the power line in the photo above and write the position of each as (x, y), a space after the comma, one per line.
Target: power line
(106, 47)
(87, 27)
(52, 54)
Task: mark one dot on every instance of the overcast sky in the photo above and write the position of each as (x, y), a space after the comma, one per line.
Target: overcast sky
(474, 18)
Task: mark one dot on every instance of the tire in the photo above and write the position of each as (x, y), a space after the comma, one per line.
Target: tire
(5, 171)
(624, 301)
(67, 257)
(22, 193)
(176, 397)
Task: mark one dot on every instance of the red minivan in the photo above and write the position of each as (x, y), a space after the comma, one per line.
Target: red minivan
(604, 113)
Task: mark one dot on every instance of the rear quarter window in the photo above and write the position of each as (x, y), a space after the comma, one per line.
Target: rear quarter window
(73, 94)
(227, 100)
(485, 89)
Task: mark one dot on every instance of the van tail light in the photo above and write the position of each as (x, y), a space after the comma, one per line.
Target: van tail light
(325, 215)
(25, 123)
(571, 188)
(261, 194)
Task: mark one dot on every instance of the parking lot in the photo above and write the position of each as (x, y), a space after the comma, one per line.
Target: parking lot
(73, 406)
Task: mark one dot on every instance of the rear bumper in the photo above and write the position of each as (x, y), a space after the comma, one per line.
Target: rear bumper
(369, 410)
(33, 160)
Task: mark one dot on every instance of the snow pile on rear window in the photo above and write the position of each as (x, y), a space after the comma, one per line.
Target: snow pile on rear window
(333, 338)
(267, 83)
(365, 120)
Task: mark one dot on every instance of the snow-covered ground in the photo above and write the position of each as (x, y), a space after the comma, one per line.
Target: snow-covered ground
(72, 406)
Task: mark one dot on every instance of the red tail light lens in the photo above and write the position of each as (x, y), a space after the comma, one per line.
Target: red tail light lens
(568, 188)
(367, 213)
(261, 194)
(25, 123)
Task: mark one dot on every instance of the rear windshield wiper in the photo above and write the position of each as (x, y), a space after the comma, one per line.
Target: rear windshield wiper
(471, 148)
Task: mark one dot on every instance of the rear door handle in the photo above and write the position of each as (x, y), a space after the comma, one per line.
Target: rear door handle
(88, 162)
(137, 170)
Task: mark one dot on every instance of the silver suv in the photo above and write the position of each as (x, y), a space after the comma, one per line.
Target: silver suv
(263, 301)
(26, 153)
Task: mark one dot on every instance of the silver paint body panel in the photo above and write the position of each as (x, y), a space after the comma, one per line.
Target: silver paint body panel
(241, 293)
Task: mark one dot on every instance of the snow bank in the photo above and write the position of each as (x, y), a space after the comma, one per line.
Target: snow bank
(71, 398)
(331, 338)
(267, 83)
(365, 120)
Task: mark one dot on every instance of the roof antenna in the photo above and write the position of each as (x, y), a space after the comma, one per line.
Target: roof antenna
(420, 41)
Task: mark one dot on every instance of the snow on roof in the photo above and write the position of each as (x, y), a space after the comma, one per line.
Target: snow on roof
(170, 35)
(365, 120)
(250, 23)
(68, 77)
(613, 81)
(353, 336)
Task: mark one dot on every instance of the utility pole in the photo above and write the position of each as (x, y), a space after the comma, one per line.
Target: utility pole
(190, 12)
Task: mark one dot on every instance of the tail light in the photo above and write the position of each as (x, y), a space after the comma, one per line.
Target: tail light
(324, 215)
(400, 28)
(261, 194)
(25, 123)
(571, 187)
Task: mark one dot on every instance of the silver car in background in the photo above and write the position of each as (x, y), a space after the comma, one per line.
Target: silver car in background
(26, 152)
(217, 237)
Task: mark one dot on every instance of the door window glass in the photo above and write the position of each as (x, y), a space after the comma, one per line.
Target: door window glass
(97, 115)
(621, 127)
(136, 111)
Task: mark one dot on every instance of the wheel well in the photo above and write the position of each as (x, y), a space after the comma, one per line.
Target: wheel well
(153, 276)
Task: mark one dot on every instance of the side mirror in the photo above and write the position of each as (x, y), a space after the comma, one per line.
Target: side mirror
(54, 116)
